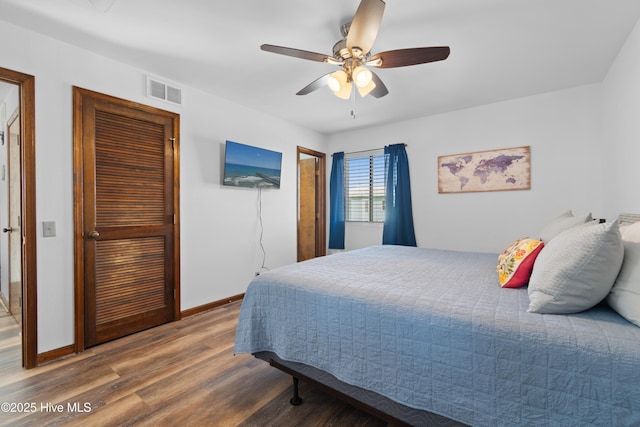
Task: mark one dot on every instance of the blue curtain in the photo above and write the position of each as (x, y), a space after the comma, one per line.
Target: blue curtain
(398, 217)
(336, 202)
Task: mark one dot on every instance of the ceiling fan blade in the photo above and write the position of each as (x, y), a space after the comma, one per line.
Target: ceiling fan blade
(314, 85)
(296, 53)
(380, 90)
(413, 56)
(365, 25)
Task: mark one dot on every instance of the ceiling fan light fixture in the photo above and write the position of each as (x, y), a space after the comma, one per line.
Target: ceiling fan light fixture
(344, 92)
(364, 91)
(337, 80)
(333, 84)
(362, 77)
(354, 56)
(339, 83)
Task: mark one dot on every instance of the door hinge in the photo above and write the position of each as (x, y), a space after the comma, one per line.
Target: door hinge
(173, 143)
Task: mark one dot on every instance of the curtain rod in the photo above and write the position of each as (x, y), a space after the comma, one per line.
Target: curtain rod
(364, 151)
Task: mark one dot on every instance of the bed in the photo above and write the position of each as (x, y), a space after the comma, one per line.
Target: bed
(422, 336)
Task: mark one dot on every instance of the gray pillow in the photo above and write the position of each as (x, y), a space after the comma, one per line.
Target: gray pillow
(561, 223)
(625, 295)
(576, 269)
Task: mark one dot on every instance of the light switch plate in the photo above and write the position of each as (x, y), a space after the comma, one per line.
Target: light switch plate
(49, 229)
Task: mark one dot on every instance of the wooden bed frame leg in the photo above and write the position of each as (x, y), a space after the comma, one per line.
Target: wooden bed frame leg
(295, 400)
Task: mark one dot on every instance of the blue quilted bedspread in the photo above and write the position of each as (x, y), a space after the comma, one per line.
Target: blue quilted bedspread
(433, 330)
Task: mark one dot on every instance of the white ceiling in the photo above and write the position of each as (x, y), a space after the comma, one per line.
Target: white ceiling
(500, 49)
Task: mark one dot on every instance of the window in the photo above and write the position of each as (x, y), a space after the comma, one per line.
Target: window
(364, 188)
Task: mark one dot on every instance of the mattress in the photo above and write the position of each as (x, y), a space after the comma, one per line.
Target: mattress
(433, 330)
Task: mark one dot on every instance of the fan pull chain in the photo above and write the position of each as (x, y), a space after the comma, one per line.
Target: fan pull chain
(353, 104)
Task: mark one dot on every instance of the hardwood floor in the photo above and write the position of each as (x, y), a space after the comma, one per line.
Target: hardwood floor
(183, 373)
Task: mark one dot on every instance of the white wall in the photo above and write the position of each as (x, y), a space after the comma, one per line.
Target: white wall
(621, 142)
(219, 235)
(564, 131)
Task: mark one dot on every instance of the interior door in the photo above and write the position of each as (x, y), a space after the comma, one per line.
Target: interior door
(14, 228)
(311, 204)
(129, 210)
(307, 222)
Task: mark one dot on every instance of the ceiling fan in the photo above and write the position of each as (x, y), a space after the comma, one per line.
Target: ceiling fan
(353, 54)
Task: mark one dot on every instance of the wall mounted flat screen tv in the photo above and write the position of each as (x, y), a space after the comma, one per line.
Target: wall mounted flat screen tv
(252, 167)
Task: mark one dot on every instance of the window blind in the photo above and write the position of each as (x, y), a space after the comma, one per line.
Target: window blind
(364, 188)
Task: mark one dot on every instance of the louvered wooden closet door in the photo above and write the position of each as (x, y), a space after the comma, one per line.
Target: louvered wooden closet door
(128, 220)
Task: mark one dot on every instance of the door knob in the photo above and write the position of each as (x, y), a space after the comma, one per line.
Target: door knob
(94, 234)
(7, 230)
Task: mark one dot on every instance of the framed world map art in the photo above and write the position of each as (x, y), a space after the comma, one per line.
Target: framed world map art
(492, 170)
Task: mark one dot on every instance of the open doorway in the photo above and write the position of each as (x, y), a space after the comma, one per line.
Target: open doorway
(311, 204)
(10, 196)
(17, 210)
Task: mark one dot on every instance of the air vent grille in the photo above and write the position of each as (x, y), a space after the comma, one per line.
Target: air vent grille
(174, 95)
(164, 91)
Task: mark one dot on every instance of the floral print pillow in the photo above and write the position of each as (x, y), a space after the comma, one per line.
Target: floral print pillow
(516, 263)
